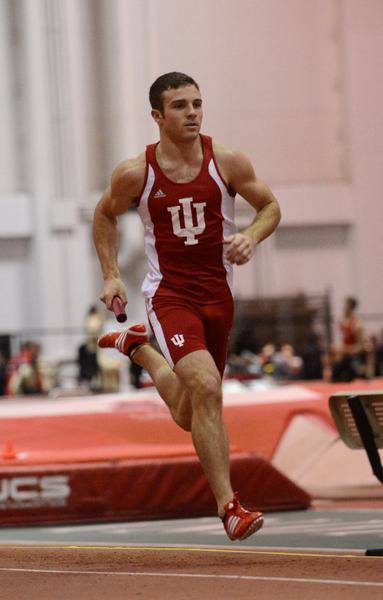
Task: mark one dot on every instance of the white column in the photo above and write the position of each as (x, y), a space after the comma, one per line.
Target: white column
(59, 273)
(126, 78)
(265, 268)
(362, 23)
(71, 77)
(41, 304)
(7, 116)
(257, 278)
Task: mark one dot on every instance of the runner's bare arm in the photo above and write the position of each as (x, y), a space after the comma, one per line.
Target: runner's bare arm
(126, 184)
(241, 177)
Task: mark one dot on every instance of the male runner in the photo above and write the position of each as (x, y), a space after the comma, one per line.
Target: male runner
(184, 188)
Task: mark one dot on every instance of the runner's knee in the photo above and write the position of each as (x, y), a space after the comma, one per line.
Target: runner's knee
(206, 392)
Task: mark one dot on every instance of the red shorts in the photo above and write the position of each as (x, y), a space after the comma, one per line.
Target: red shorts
(182, 326)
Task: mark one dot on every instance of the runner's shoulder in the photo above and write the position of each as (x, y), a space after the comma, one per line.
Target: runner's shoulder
(231, 162)
(228, 156)
(234, 164)
(129, 176)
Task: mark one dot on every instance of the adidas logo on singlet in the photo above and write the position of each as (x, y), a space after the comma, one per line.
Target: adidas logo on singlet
(159, 194)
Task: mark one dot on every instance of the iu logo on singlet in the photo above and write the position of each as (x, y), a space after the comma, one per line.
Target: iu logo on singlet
(178, 340)
(190, 230)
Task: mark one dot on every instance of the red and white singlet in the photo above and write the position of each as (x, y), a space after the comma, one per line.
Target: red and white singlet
(184, 227)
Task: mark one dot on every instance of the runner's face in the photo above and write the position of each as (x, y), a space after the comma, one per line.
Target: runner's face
(182, 113)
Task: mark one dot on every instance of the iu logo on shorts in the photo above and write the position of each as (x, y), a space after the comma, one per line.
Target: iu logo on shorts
(178, 340)
(190, 230)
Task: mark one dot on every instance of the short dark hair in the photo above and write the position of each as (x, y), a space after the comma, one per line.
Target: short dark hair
(168, 81)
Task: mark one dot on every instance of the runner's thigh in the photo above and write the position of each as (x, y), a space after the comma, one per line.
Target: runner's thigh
(218, 322)
(179, 329)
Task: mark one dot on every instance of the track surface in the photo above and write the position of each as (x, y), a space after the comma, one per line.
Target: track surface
(65, 573)
(192, 559)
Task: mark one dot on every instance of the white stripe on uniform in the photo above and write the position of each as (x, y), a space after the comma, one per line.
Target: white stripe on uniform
(154, 276)
(227, 210)
(158, 332)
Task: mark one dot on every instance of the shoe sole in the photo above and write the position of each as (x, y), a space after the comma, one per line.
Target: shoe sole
(253, 528)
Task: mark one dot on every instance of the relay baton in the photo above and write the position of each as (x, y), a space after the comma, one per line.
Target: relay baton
(119, 309)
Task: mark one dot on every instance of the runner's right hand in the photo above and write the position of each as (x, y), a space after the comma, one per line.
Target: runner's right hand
(113, 286)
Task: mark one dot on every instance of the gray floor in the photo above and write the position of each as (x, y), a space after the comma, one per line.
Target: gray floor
(353, 529)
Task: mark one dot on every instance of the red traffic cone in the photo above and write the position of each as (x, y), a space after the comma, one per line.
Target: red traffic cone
(8, 451)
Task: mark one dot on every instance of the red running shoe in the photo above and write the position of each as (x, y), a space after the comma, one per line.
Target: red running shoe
(126, 341)
(238, 522)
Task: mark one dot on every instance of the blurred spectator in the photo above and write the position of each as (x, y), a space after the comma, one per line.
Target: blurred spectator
(266, 358)
(234, 365)
(28, 373)
(379, 355)
(339, 366)
(287, 365)
(312, 357)
(351, 328)
(349, 360)
(98, 369)
(346, 367)
(88, 367)
(3, 373)
(245, 365)
(110, 361)
(110, 370)
(16, 361)
(280, 365)
(368, 358)
(94, 323)
(87, 360)
(135, 372)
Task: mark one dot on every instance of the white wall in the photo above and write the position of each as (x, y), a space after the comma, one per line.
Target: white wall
(270, 73)
(363, 63)
(294, 83)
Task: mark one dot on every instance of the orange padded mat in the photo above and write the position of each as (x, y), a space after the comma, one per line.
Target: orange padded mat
(79, 458)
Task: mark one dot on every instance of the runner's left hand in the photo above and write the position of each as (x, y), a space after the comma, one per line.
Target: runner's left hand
(239, 248)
